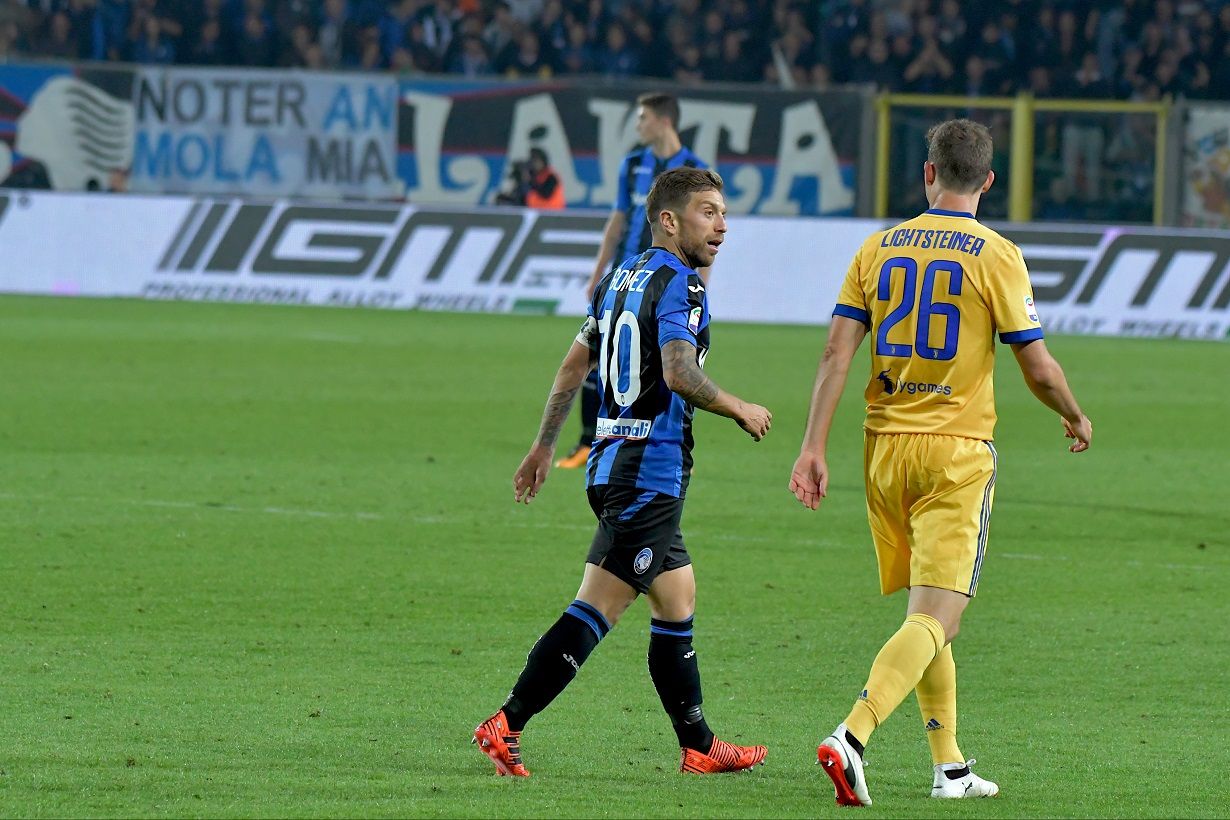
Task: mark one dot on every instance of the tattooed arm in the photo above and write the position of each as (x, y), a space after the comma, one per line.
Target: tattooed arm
(572, 372)
(568, 380)
(685, 378)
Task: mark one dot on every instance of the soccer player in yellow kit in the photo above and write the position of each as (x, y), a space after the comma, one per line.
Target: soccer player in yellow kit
(933, 292)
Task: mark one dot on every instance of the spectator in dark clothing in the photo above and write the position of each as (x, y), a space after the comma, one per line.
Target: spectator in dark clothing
(651, 54)
(472, 59)
(393, 25)
(470, 25)
(1069, 46)
(577, 56)
(688, 69)
(501, 29)
(1152, 45)
(552, 30)
(298, 51)
(711, 40)
(951, 29)
(617, 59)
(255, 42)
(209, 48)
(421, 57)
(1088, 83)
(732, 66)
(977, 82)
(931, 72)
(523, 57)
(1129, 80)
(60, 42)
(995, 54)
(840, 25)
(877, 69)
(154, 46)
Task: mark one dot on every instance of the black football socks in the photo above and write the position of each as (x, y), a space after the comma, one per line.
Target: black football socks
(591, 402)
(554, 662)
(676, 676)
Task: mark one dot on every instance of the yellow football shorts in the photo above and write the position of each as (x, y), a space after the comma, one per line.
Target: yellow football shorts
(929, 504)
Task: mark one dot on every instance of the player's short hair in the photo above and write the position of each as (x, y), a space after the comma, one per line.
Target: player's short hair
(663, 105)
(961, 151)
(672, 190)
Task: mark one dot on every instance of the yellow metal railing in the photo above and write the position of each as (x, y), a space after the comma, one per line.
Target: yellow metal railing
(1023, 108)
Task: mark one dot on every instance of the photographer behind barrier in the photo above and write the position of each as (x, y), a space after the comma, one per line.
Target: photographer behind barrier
(534, 184)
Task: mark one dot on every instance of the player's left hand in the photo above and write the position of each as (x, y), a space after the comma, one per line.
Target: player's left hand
(809, 480)
(531, 474)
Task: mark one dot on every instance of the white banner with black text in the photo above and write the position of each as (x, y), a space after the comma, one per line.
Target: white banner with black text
(1104, 281)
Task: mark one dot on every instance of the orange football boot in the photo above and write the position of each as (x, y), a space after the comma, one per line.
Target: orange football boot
(722, 757)
(502, 745)
(576, 459)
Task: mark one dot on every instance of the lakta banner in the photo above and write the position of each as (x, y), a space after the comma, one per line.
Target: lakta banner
(333, 136)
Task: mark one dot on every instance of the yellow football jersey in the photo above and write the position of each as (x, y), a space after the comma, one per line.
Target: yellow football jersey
(933, 292)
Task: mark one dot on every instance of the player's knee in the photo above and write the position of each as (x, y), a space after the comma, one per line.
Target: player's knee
(611, 608)
(673, 611)
(951, 628)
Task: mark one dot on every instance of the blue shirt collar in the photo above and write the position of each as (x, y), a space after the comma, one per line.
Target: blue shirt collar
(942, 212)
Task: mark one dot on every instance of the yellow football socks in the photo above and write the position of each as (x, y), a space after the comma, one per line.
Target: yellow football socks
(937, 700)
(896, 671)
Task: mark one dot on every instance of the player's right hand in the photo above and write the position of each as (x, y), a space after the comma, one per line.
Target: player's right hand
(809, 480)
(1081, 431)
(528, 479)
(755, 420)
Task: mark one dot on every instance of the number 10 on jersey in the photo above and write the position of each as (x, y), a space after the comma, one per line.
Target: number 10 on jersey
(625, 365)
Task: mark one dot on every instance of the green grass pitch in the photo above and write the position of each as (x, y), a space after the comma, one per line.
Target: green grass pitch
(265, 562)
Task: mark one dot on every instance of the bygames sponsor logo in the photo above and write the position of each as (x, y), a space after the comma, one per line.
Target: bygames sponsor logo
(910, 388)
(624, 428)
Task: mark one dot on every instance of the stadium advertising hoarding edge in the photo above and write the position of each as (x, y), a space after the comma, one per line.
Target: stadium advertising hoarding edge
(334, 136)
(1206, 167)
(1104, 281)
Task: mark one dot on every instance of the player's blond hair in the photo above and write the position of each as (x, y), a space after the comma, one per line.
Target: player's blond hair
(673, 189)
(961, 151)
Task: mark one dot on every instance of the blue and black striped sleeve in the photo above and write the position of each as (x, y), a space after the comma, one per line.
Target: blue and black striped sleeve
(681, 310)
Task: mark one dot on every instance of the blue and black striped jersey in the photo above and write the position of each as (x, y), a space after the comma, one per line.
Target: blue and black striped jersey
(644, 434)
(636, 175)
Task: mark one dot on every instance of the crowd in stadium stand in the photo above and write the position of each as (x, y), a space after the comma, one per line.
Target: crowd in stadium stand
(1130, 49)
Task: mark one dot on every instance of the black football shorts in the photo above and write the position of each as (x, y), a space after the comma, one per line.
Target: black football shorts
(638, 534)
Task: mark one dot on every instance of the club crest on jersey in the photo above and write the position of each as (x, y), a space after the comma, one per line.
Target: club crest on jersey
(642, 561)
(694, 320)
(1030, 310)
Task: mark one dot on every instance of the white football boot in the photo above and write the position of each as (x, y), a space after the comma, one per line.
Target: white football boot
(844, 766)
(968, 785)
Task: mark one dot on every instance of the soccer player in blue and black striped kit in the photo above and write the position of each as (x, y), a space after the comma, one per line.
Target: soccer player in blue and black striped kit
(647, 329)
(627, 230)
